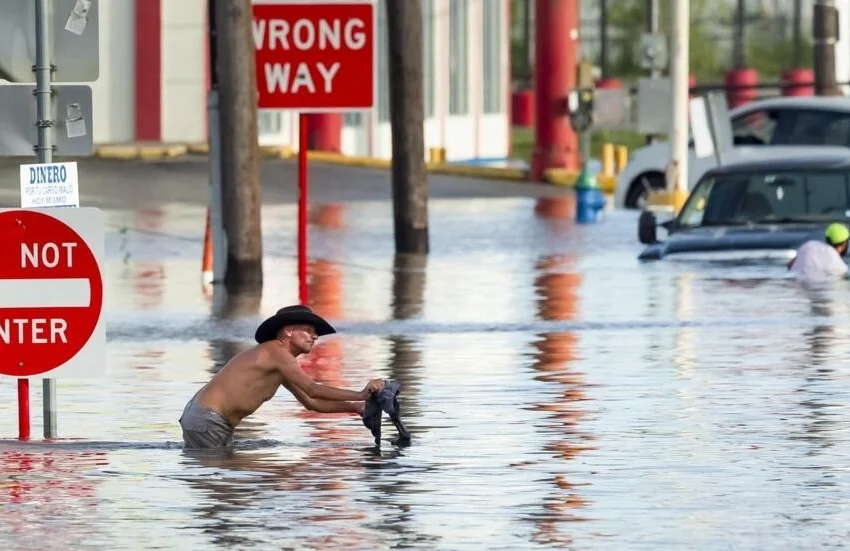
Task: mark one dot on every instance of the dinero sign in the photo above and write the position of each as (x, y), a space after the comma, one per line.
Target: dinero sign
(318, 56)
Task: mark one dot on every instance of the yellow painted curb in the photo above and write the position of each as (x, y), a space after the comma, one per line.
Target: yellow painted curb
(123, 152)
(268, 151)
(139, 151)
(484, 172)
(176, 150)
(659, 198)
(488, 172)
(564, 177)
(198, 148)
(607, 182)
(346, 160)
(275, 151)
(560, 176)
(148, 152)
(663, 198)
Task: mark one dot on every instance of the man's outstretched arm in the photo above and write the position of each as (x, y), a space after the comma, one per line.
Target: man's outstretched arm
(324, 406)
(293, 375)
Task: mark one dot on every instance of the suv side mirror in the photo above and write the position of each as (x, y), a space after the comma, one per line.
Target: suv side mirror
(670, 225)
(647, 228)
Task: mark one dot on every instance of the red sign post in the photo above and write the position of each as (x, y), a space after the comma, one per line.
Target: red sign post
(313, 57)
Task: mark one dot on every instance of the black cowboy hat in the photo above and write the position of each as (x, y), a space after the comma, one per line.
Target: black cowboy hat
(292, 315)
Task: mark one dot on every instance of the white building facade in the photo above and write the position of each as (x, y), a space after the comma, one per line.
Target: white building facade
(154, 78)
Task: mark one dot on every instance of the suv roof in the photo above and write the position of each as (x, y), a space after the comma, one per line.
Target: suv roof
(834, 158)
(831, 103)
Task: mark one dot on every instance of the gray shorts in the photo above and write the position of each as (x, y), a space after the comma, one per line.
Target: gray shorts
(205, 428)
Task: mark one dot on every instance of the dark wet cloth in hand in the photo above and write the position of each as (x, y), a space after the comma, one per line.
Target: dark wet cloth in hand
(385, 401)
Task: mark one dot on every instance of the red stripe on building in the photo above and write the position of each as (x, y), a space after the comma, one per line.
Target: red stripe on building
(148, 70)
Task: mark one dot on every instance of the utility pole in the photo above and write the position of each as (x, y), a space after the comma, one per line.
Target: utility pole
(798, 33)
(738, 42)
(825, 35)
(653, 26)
(677, 170)
(410, 183)
(603, 38)
(240, 155)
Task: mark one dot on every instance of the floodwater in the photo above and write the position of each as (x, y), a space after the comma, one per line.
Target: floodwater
(560, 395)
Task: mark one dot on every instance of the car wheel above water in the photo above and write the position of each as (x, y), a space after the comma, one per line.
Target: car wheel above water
(636, 197)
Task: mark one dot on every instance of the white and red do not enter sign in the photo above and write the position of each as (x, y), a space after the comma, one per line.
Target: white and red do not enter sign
(51, 292)
(315, 56)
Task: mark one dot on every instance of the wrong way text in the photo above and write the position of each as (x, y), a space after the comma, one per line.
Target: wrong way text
(307, 61)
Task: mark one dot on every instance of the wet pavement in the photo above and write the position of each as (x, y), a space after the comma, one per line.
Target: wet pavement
(560, 394)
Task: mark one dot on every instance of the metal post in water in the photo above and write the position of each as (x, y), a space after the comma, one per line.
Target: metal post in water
(303, 145)
(219, 244)
(44, 150)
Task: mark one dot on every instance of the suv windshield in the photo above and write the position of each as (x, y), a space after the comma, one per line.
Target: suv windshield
(768, 197)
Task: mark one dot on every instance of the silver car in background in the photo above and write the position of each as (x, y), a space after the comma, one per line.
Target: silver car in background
(794, 123)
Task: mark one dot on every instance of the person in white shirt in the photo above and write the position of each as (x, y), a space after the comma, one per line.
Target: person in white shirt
(823, 259)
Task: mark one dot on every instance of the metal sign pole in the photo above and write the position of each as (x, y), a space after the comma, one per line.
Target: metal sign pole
(219, 238)
(44, 150)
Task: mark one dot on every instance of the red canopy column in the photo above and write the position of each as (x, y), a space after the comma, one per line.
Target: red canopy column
(556, 48)
(325, 132)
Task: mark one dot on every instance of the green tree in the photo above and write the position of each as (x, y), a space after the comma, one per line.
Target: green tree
(628, 17)
(770, 52)
(520, 70)
(768, 47)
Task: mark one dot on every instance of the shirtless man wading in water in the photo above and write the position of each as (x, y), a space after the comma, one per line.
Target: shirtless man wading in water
(252, 377)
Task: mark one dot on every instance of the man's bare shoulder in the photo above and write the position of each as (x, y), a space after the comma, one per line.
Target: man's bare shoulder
(276, 356)
(256, 356)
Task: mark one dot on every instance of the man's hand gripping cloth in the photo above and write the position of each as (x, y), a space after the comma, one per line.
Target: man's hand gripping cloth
(386, 400)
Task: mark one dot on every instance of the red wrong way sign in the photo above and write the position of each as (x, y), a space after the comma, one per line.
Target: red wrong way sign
(51, 292)
(316, 56)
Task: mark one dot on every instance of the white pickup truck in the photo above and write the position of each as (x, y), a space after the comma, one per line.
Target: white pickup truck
(795, 123)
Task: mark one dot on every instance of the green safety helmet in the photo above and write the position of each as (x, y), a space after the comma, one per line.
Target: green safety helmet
(837, 233)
